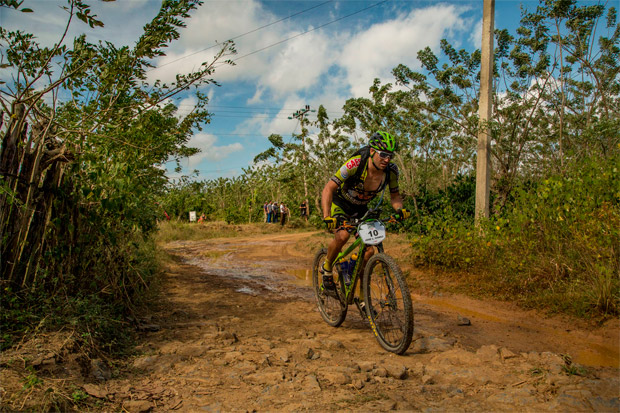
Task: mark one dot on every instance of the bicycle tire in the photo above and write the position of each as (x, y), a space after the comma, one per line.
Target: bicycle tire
(388, 303)
(333, 310)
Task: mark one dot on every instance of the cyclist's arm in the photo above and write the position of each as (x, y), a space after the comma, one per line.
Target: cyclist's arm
(395, 197)
(327, 197)
(397, 200)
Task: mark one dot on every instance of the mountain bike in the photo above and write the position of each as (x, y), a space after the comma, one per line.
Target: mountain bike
(386, 299)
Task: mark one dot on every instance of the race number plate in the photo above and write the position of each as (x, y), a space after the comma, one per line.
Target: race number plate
(372, 232)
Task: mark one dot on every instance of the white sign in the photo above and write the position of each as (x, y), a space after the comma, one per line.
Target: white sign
(372, 232)
(192, 216)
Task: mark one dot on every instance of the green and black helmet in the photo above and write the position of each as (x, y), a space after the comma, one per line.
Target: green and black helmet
(383, 141)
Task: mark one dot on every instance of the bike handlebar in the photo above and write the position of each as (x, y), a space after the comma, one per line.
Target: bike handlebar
(371, 213)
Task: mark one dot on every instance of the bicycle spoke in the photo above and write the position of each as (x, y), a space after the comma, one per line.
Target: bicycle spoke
(388, 317)
(332, 309)
(393, 317)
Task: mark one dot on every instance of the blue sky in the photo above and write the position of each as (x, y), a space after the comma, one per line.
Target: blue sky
(348, 43)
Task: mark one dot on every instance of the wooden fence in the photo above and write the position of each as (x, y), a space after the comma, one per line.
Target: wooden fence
(32, 164)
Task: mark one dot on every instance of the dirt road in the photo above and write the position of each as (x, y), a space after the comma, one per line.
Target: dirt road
(238, 330)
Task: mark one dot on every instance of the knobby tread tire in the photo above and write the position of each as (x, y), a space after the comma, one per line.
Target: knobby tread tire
(332, 310)
(376, 320)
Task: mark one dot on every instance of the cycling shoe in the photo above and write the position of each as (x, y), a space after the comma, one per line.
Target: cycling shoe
(329, 287)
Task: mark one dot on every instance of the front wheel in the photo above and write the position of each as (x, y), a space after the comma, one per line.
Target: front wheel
(333, 310)
(388, 303)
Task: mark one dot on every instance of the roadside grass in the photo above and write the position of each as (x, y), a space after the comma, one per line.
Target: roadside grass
(533, 277)
(179, 230)
(41, 332)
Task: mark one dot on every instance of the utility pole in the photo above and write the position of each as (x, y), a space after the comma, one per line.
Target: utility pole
(301, 116)
(485, 109)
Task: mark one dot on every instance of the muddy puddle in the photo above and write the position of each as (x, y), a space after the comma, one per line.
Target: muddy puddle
(255, 275)
(302, 276)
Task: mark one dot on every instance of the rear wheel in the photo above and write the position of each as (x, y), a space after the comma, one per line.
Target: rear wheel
(388, 303)
(332, 309)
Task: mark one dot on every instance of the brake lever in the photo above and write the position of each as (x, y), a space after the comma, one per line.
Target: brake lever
(345, 225)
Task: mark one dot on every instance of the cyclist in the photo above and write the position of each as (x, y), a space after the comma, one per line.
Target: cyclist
(358, 181)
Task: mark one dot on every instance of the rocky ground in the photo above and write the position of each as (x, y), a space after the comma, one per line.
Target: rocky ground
(238, 330)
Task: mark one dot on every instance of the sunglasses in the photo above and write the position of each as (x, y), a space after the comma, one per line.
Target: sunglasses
(386, 155)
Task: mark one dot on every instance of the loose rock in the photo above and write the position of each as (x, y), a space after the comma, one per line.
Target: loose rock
(138, 406)
(95, 391)
(100, 370)
(462, 321)
(398, 372)
(311, 383)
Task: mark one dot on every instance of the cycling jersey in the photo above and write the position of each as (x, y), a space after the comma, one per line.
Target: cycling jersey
(351, 196)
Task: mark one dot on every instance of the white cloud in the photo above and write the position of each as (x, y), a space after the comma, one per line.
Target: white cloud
(123, 20)
(299, 64)
(209, 150)
(476, 35)
(185, 106)
(374, 52)
(257, 96)
(288, 67)
(212, 24)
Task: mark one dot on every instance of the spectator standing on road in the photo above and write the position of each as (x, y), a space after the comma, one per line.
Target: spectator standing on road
(282, 214)
(276, 211)
(270, 212)
(265, 213)
(303, 210)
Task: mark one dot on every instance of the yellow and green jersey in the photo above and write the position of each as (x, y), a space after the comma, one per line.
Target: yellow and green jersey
(351, 196)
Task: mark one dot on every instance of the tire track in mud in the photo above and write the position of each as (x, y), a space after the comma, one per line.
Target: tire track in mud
(259, 275)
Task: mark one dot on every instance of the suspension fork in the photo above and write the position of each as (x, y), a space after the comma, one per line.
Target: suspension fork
(388, 279)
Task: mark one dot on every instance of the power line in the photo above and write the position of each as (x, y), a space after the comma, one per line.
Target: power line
(248, 116)
(242, 107)
(234, 168)
(237, 134)
(249, 109)
(256, 107)
(311, 30)
(241, 35)
(215, 108)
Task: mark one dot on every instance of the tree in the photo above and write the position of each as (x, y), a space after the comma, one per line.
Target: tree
(80, 176)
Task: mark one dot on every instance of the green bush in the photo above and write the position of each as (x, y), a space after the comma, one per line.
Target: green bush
(567, 229)
(447, 241)
(556, 244)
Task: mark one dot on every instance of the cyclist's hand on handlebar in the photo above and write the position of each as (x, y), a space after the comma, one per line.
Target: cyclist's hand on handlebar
(331, 223)
(402, 214)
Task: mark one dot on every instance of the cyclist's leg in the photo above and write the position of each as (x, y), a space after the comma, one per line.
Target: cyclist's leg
(340, 239)
(341, 236)
(370, 251)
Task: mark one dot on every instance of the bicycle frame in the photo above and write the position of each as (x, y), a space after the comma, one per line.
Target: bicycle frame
(358, 243)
